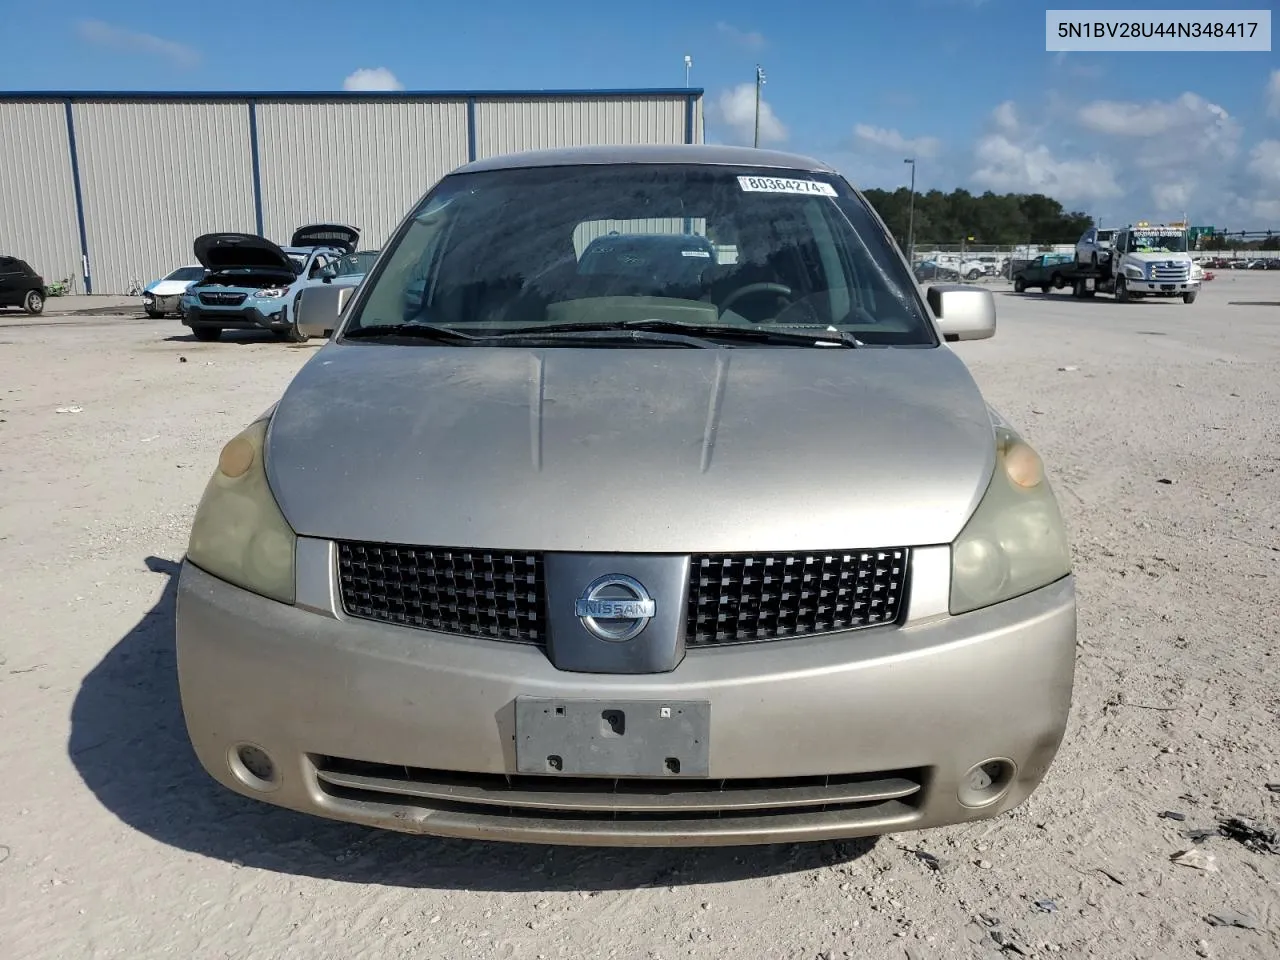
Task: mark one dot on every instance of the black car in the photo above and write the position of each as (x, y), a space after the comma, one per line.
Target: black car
(20, 286)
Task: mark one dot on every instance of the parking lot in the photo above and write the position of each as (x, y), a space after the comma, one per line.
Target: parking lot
(1160, 424)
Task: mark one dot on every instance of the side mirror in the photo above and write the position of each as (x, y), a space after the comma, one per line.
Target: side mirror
(320, 309)
(964, 312)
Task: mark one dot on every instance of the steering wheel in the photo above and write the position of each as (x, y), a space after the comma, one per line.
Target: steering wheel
(751, 288)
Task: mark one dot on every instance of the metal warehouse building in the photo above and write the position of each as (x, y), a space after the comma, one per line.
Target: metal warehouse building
(108, 188)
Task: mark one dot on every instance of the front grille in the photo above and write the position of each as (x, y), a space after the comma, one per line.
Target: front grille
(743, 598)
(477, 593)
(1170, 273)
(219, 299)
(733, 598)
(636, 799)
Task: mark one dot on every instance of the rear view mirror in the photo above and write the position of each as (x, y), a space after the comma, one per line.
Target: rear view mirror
(964, 312)
(320, 308)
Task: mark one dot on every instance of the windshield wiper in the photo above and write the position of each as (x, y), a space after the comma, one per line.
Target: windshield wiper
(722, 332)
(416, 331)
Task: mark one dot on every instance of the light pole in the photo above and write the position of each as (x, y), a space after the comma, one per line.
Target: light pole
(688, 62)
(911, 215)
(759, 84)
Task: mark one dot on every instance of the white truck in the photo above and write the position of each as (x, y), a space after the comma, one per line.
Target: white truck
(1144, 260)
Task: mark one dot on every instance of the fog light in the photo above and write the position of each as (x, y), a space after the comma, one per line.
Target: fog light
(254, 767)
(986, 782)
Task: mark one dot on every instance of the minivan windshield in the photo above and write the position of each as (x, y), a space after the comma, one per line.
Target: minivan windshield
(598, 245)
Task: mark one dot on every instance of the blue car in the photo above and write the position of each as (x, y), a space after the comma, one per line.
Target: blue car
(252, 284)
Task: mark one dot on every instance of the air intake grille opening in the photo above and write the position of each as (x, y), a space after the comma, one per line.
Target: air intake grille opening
(745, 598)
(479, 593)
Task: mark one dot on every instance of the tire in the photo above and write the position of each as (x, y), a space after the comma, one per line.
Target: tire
(973, 275)
(1019, 285)
(1044, 288)
(1058, 281)
(155, 314)
(1122, 291)
(293, 334)
(207, 334)
(1190, 297)
(33, 302)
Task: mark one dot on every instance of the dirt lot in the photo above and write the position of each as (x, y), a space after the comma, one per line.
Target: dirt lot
(1161, 425)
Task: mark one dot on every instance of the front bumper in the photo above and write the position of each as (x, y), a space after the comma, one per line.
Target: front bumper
(1163, 287)
(415, 731)
(167, 303)
(251, 316)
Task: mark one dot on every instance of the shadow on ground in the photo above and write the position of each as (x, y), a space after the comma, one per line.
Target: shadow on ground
(129, 743)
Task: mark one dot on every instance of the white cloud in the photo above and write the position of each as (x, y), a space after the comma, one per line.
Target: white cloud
(1005, 117)
(1180, 150)
(735, 109)
(106, 35)
(1007, 166)
(376, 78)
(1264, 162)
(1012, 159)
(893, 141)
(1273, 94)
(750, 39)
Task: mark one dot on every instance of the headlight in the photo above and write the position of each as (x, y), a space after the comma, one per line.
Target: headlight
(1015, 542)
(239, 533)
(271, 293)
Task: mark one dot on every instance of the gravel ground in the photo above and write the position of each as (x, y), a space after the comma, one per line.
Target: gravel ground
(1160, 424)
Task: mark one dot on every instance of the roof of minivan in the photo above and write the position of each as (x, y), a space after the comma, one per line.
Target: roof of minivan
(699, 153)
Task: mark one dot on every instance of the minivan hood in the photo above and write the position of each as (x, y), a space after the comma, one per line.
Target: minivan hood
(240, 251)
(631, 450)
(338, 235)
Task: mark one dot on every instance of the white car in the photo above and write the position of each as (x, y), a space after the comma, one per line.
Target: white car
(165, 295)
(1094, 247)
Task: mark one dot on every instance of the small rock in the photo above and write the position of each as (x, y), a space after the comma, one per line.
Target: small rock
(1046, 906)
(984, 864)
(1274, 787)
(1164, 480)
(182, 359)
(1202, 948)
(1068, 369)
(1173, 815)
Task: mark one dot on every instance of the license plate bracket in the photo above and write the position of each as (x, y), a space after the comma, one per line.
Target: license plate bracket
(613, 738)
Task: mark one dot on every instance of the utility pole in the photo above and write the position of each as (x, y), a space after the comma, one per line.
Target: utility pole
(911, 215)
(688, 62)
(759, 84)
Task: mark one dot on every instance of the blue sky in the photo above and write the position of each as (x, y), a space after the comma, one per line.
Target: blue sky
(964, 85)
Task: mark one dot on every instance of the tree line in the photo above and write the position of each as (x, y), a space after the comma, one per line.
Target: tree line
(988, 219)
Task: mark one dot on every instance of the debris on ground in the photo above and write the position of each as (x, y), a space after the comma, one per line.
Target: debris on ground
(928, 859)
(1173, 815)
(1197, 859)
(1273, 787)
(69, 410)
(1164, 480)
(1068, 369)
(1247, 831)
(1226, 918)
(1046, 906)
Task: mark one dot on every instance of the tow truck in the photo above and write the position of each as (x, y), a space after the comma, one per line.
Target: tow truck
(1144, 260)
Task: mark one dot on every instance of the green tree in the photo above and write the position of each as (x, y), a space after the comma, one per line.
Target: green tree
(990, 219)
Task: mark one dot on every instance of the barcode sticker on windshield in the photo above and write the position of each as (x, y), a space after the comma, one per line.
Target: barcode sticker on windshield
(780, 185)
(695, 253)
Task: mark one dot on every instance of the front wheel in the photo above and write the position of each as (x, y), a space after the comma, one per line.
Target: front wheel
(207, 334)
(293, 334)
(1019, 285)
(1122, 291)
(1189, 297)
(1058, 281)
(33, 302)
(973, 275)
(155, 314)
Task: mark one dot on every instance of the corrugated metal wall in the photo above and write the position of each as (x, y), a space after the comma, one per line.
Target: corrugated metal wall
(506, 126)
(154, 177)
(37, 195)
(157, 171)
(364, 163)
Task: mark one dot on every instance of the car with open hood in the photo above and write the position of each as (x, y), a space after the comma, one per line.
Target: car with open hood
(725, 548)
(253, 284)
